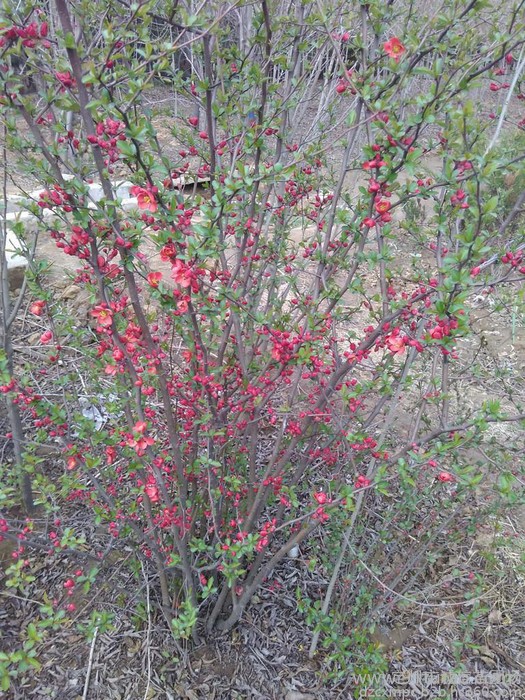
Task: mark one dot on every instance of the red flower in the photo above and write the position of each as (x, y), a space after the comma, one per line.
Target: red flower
(168, 252)
(444, 477)
(362, 482)
(394, 48)
(154, 278)
(321, 515)
(145, 198)
(141, 445)
(65, 78)
(37, 307)
(46, 337)
(382, 206)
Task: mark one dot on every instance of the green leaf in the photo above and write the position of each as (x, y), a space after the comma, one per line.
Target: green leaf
(491, 205)
(127, 148)
(69, 41)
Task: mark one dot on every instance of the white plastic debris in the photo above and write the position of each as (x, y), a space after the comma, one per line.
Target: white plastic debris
(99, 415)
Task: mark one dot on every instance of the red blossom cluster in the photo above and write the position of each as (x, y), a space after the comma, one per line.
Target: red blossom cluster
(345, 84)
(459, 199)
(362, 482)
(4, 527)
(30, 36)
(515, 260)
(216, 402)
(56, 197)
(108, 133)
(265, 533)
(444, 328)
(66, 80)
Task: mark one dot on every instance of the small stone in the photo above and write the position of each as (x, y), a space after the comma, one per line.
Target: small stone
(16, 275)
(70, 292)
(294, 552)
(495, 617)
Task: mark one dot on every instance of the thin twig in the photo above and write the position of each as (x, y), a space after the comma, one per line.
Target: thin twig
(360, 497)
(90, 664)
(517, 73)
(148, 633)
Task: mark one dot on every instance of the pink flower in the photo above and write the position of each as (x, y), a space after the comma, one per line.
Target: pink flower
(396, 344)
(321, 498)
(394, 48)
(145, 198)
(181, 273)
(152, 493)
(71, 463)
(103, 315)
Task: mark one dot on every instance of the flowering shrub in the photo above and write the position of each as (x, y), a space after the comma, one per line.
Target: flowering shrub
(276, 354)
